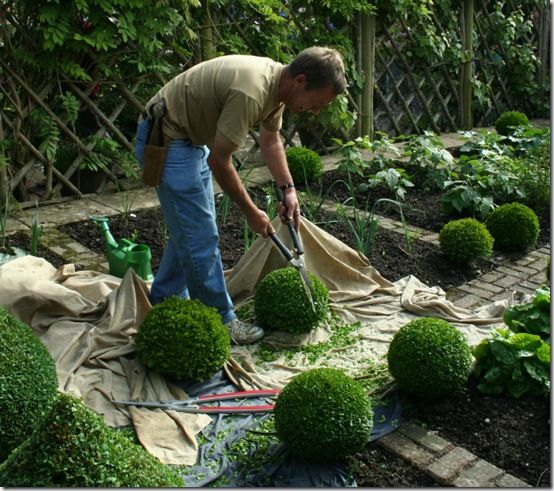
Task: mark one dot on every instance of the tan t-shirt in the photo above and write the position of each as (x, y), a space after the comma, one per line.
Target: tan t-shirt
(231, 94)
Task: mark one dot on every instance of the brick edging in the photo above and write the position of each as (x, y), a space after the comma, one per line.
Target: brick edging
(446, 463)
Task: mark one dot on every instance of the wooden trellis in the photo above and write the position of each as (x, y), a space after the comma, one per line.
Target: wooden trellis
(407, 98)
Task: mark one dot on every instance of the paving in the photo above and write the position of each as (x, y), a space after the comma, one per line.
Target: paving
(448, 464)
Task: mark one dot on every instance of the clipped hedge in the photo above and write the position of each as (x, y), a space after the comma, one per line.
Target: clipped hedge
(28, 382)
(508, 121)
(465, 239)
(304, 164)
(184, 339)
(75, 448)
(429, 358)
(514, 227)
(323, 415)
(281, 302)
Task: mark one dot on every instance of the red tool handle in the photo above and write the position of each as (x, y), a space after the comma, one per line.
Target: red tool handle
(238, 394)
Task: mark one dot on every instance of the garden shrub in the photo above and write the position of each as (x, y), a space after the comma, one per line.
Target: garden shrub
(465, 239)
(28, 382)
(281, 303)
(75, 448)
(508, 121)
(304, 164)
(518, 363)
(532, 317)
(429, 358)
(514, 227)
(323, 415)
(184, 339)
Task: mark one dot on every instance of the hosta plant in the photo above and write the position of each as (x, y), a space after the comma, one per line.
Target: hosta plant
(184, 339)
(282, 304)
(465, 239)
(323, 415)
(532, 317)
(518, 363)
(429, 358)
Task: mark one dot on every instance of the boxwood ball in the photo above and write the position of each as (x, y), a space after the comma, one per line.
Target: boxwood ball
(323, 415)
(184, 339)
(429, 358)
(281, 302)
(28, 382)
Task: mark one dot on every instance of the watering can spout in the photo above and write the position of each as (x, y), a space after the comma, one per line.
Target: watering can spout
(102, 222)
(124, 254)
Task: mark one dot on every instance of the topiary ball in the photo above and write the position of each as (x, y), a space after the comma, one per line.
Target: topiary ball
(28, 382)
(304, 164)
(514, 227)
(465, 240)
(429, 358)
(184, 339)
(508, 121)
(323, 415)
(281, 303)
(75, 448)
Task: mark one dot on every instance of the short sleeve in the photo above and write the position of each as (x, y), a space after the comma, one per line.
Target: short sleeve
(239, 114)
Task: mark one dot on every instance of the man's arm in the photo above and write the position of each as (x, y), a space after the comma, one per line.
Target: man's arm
(221, 164)
(273, 154)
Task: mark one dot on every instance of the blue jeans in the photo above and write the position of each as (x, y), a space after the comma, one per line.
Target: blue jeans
(191, 263)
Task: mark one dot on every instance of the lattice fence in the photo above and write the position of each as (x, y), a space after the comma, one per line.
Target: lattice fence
(92, 125)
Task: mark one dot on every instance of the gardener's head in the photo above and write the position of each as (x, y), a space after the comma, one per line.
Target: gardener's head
(313, 79)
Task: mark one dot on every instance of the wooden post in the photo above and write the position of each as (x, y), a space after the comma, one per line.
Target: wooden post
(368, 69)
(358, 47)
(467, 64)
(543, 48)
(206, 32)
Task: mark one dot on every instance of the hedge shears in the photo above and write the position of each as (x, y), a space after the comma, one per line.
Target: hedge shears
(295, 258)
(198, 404)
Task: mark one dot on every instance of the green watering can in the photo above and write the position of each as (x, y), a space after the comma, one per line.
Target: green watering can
(124, 254)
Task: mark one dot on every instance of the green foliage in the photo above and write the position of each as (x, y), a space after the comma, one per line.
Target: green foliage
(75, 448)
(532, 317)
(184, 339)
(514, 227)
(465, 240)
(429, 358)
(28, 382)
(80, 38)
(509, 121)
(281, 303)
(518, 363)
(304, 164)
(323, 415)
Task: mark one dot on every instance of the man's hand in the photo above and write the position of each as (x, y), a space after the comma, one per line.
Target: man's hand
(259, 222)
(289, 210)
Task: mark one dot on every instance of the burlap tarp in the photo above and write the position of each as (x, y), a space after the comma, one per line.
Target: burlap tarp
(88, 319)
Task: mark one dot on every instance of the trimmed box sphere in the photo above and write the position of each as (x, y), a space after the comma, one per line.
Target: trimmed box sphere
(429, 358)
(323, 415)
(184, 339)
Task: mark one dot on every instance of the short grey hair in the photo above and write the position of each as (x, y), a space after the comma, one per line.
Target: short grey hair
(322, 67)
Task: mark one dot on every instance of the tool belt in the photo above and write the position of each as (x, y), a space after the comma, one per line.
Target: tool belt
(155, 149)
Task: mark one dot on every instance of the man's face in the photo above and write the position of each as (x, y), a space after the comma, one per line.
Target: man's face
(301, 100)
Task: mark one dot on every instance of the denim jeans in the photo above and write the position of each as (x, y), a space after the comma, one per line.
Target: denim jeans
(191, 263)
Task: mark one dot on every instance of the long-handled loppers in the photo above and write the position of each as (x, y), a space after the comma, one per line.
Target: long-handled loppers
(197, 404)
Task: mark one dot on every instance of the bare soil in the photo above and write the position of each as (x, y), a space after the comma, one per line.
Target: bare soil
(513, 434)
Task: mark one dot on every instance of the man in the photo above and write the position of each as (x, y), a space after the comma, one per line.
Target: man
(209, 110)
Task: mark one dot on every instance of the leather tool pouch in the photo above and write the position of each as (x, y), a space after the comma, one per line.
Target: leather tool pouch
(155, 150)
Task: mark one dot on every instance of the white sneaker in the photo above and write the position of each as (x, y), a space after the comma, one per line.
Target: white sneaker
(243, 333)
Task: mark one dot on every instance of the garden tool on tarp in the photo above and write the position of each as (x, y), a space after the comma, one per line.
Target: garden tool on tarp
(295, 258)
(198, 404)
